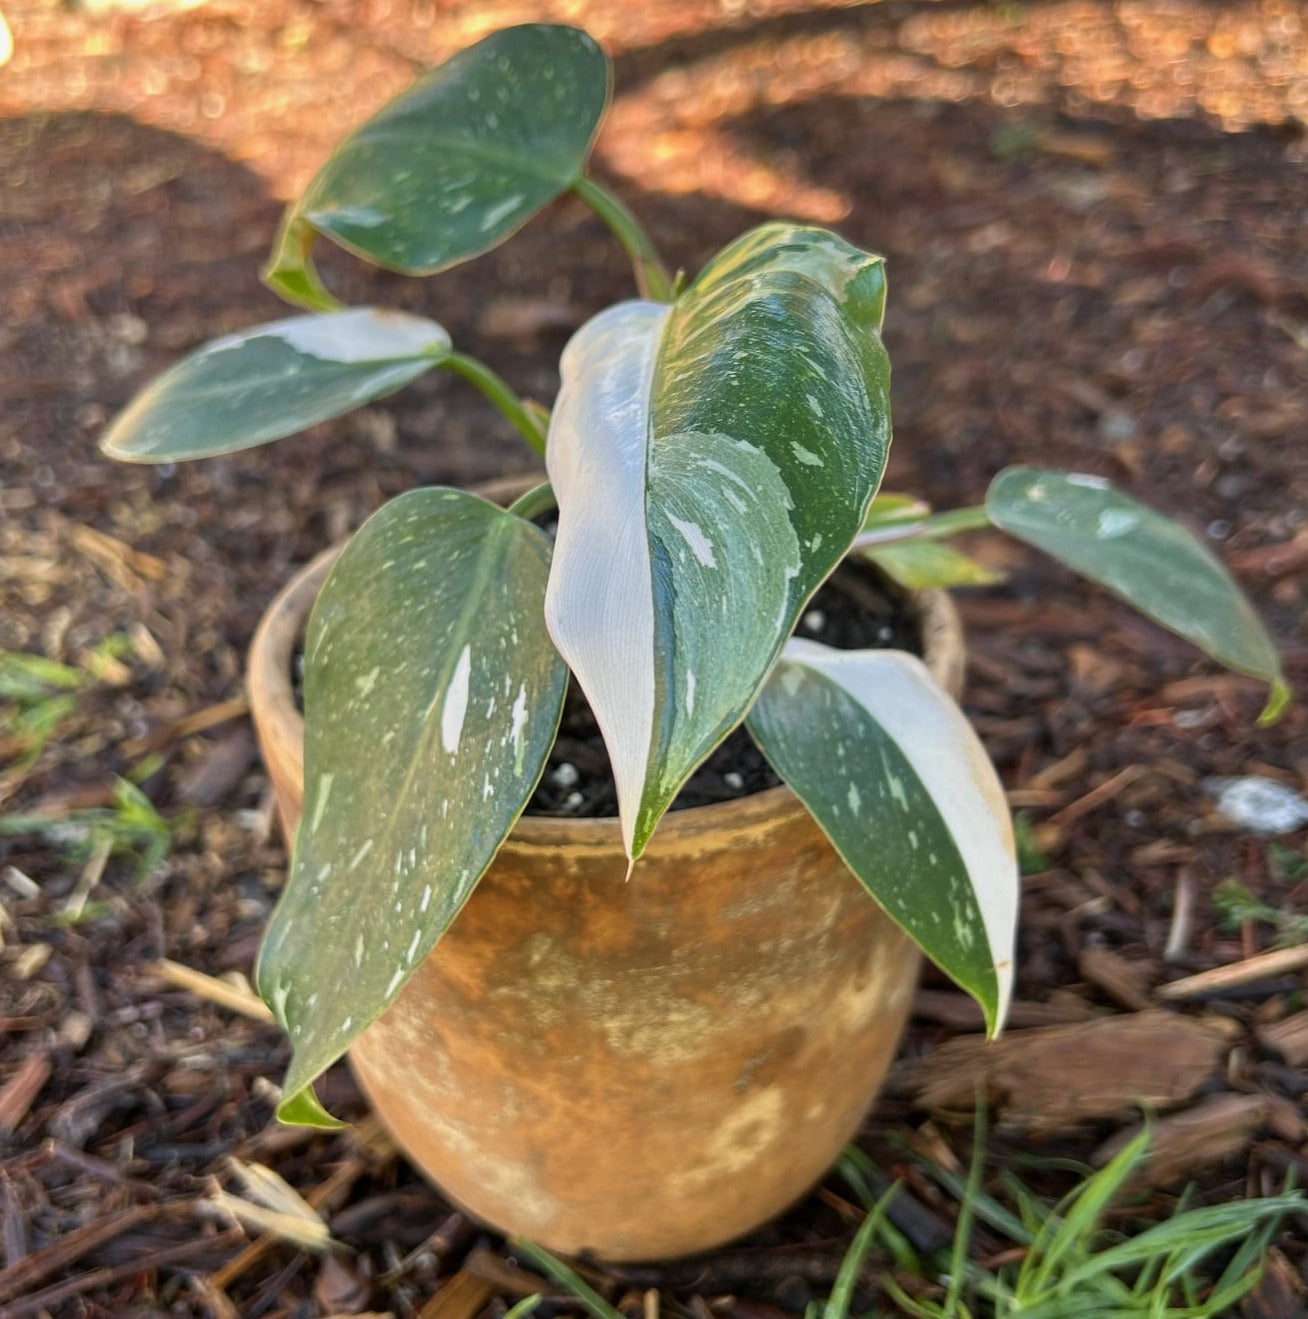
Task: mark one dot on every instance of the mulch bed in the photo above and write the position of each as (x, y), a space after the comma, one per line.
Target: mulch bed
(1094, 218)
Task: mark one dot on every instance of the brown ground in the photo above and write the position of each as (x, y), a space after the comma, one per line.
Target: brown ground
(1095, 218)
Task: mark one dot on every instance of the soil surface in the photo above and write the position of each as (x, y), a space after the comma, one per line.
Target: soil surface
(1096, 223)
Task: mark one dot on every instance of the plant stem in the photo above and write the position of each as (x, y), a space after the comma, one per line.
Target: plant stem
(940, 525)
(501, 396)
(652, 278)
(539, 499)
(936, 527)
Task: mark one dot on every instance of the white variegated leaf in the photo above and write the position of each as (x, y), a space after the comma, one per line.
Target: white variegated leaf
(274, 380)
(458, 162)
(432, 696)
(712, 461)
(893, 772)
(1150, 560)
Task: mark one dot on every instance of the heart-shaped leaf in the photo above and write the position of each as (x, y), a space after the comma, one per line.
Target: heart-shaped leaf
(713, 461)
(1149, 560)
(892, 771)
(272, 381)
(432, 695)
(457, 163)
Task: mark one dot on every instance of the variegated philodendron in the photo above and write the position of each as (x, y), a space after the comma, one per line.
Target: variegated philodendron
(714, 452)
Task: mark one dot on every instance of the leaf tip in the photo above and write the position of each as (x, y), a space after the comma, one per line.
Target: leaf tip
(1279, 697)
(302, 1109)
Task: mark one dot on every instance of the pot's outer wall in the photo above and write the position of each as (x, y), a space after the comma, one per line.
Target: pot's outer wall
(640, 1069)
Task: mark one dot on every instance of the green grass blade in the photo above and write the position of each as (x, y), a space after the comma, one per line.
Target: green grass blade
(842, 1292)
(559, 1272)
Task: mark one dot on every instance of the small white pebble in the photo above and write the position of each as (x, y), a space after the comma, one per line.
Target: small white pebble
(565, 776)
(814, 621)
(1261, 805)
(572, 801)
(885, 632)
(733, 780)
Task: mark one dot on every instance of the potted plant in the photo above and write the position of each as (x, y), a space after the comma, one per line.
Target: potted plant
(640, 1036)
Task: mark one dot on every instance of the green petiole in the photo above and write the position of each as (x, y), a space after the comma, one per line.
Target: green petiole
(652, 278)
(519, 414)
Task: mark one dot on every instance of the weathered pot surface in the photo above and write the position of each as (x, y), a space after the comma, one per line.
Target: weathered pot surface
(638, 1068)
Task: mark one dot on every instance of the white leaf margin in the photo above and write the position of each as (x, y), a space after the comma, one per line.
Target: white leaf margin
(599, 604)
(918, 715)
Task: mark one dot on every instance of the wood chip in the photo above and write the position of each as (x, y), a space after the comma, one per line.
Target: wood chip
(68, 1249)
(1280, 1292)
(461, 1297)
(199, 722)
(208, 780)
(1214, 1130)
(1266, 966)
(960, 1011)
(1124, 982)
(1178, 934)
(1070, 767)
(1097, 797)
(125, 566)
(21, 1090)
(1289, 1038)
(1051, 1078)
(505, 1277)
(213, 990)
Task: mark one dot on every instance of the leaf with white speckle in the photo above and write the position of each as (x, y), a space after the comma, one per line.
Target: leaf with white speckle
(712, 459)
(428, 639)
(457, 163)
(1150, 560)
(892, 771)
(272, 381)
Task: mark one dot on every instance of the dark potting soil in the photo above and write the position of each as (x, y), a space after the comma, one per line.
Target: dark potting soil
(854, 610)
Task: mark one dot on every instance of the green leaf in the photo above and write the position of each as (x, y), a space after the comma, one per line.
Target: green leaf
(713, 460)
(274, 380)
(891, 510)
(302, 1109)
(432, 695)
(892, 771)
(461, 160)
(921, 565)
(1149, 560)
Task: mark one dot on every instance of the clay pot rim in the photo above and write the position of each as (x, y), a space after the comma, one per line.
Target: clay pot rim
(272, 704)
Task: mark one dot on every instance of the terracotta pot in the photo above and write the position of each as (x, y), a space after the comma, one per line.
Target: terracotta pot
(638, 1069)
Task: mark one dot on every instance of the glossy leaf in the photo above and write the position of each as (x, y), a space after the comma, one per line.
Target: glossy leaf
(1149, 560)
(922, 565)
(457, 163)
(274, 380)
(892, 771)
(432, 695)
(713, 460)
